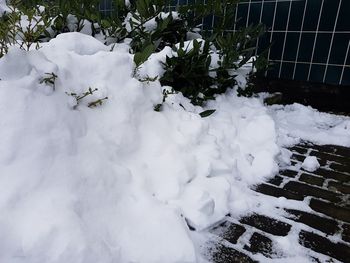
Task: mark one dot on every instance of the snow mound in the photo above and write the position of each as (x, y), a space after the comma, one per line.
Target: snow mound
(116, 183)
(310, 164)
(78, 43)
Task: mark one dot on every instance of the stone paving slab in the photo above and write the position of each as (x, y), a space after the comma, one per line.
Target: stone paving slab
(259, 243)
(278, 192)
(226, 254)
(331, 210)
(346, 232)
(267, 224)
(323, 245)
(310, 190)
(338, 187)
(325, 229)
(229, 231)
(326, 225)
(312, 179)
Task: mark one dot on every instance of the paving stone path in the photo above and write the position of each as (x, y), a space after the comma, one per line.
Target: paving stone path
(324, 230)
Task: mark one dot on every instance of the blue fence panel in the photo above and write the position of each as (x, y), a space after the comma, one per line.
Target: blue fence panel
(310, 38)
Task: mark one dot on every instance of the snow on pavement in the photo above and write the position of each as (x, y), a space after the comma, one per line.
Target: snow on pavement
(297, 122)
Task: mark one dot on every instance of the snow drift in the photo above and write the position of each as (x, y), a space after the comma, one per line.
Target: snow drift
(115, 183)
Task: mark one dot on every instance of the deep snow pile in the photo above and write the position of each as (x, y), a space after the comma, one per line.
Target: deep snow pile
(115, 183)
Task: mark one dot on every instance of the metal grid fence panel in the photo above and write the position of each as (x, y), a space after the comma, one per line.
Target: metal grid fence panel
(106, 7)
(310, 38)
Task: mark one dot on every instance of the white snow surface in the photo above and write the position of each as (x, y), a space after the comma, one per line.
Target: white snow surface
(3, 7)
(310, 164)
(117, 183)
(297, 122)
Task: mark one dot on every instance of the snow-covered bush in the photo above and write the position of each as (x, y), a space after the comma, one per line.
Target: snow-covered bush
(201, 65)
(202, 68)
(70, 16)
(23, 26)
(188, 71)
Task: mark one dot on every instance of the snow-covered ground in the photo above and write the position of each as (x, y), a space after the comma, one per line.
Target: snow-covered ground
(297, 122)
(118, 182)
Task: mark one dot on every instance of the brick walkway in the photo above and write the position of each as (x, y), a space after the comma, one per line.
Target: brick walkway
(324, 230)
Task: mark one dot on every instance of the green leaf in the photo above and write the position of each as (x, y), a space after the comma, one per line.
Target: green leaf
(141, 57)
(196, 45)
(158, 107)
(206, 113)
(181, 52)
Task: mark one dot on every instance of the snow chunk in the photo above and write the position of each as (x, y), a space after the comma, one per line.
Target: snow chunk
(284, 157)
(78, 43)
(205, 201)
(145, 234)
(3, 7)
(310, 164)
(151, 25)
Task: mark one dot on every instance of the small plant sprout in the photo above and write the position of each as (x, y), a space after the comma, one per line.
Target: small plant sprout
(166, 92)
(50, 79)
(79, 97)
(206, 113)
(96, 103)
(148, 79)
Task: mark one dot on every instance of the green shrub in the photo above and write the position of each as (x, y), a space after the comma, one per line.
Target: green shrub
(150, 29)
(14, 32)
(190, 71)
(60, 10)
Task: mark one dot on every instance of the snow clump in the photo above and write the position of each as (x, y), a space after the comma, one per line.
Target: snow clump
(3, 7)
(310, 164)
